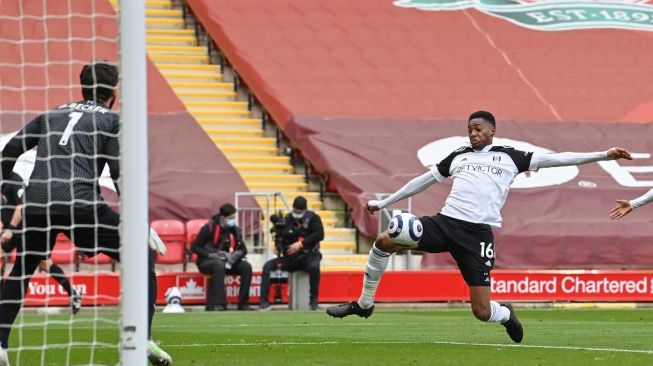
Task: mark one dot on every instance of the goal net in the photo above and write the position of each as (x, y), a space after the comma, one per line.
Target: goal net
(43, 46)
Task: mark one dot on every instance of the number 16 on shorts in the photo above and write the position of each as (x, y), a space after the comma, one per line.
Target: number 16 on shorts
(487, 250)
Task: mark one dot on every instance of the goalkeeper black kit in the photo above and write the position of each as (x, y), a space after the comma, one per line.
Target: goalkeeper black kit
(73, 144)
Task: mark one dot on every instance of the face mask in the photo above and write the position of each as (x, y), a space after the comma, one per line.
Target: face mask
(296, 215)
(230, 222)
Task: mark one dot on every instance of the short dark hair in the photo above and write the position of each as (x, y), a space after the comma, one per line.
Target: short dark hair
(485, 115)
(98, 79)
(227, 209)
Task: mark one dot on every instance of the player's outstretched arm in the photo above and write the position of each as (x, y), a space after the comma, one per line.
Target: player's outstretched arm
(23, 141)
(624, 207)
(411, 188)
(574, 158)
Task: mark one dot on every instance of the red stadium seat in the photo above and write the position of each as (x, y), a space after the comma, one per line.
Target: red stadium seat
(330, 185)
(192, 229)
(61, 254)
(173, 234)
(63, 251)
(99, 259)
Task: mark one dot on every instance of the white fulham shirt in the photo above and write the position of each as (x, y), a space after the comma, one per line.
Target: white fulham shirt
(481, 181)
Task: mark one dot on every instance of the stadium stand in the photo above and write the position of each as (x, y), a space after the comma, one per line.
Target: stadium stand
(184, 163)
(347, 80)
(210, 99)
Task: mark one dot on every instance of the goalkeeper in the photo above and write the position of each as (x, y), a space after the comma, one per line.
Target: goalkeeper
(73, 142)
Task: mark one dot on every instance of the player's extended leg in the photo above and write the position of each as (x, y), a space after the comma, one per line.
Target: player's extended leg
(377, 261)
(151, 293)
(155, 354)
(493, 312)
(105, 233)
(14, 288)
(59, 275)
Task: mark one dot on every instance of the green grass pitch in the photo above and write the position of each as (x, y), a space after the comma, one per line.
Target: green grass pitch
(389, 337)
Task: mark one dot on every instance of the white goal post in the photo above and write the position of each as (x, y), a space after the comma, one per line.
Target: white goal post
(134, 196)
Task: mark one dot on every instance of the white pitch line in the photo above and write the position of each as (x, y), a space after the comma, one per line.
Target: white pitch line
(327, 343)
(252, 344)
(245, 325)
(212, 326)
(304, 325)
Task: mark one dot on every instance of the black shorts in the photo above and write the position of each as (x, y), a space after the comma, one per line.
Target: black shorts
(470, 244)
(92, 232)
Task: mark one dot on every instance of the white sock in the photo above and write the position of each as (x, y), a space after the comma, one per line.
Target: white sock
(377, 261)
(500, 314)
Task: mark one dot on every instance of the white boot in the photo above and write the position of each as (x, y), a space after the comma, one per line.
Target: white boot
(4, 357)
(156, 355)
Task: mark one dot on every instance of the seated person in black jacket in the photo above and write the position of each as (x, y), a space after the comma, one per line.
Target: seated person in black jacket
(301, 254)
(220, 249)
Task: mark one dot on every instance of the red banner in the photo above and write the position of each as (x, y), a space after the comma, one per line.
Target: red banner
(103, 289)
(409, 286)
(573, 285)
(193, 287)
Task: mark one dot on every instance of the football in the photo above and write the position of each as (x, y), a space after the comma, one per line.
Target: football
(405, 229)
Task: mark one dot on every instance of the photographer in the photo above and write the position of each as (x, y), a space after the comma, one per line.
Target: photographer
(297, 242)
(220, 249)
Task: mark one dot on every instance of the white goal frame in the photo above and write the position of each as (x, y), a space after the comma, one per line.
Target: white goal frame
(134, 192)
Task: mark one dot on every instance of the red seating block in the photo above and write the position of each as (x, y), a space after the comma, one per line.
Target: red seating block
(63, 251)
(173, 234)
(99, 259)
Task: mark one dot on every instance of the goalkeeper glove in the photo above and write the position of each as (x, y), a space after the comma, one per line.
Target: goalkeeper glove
(156, 243)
